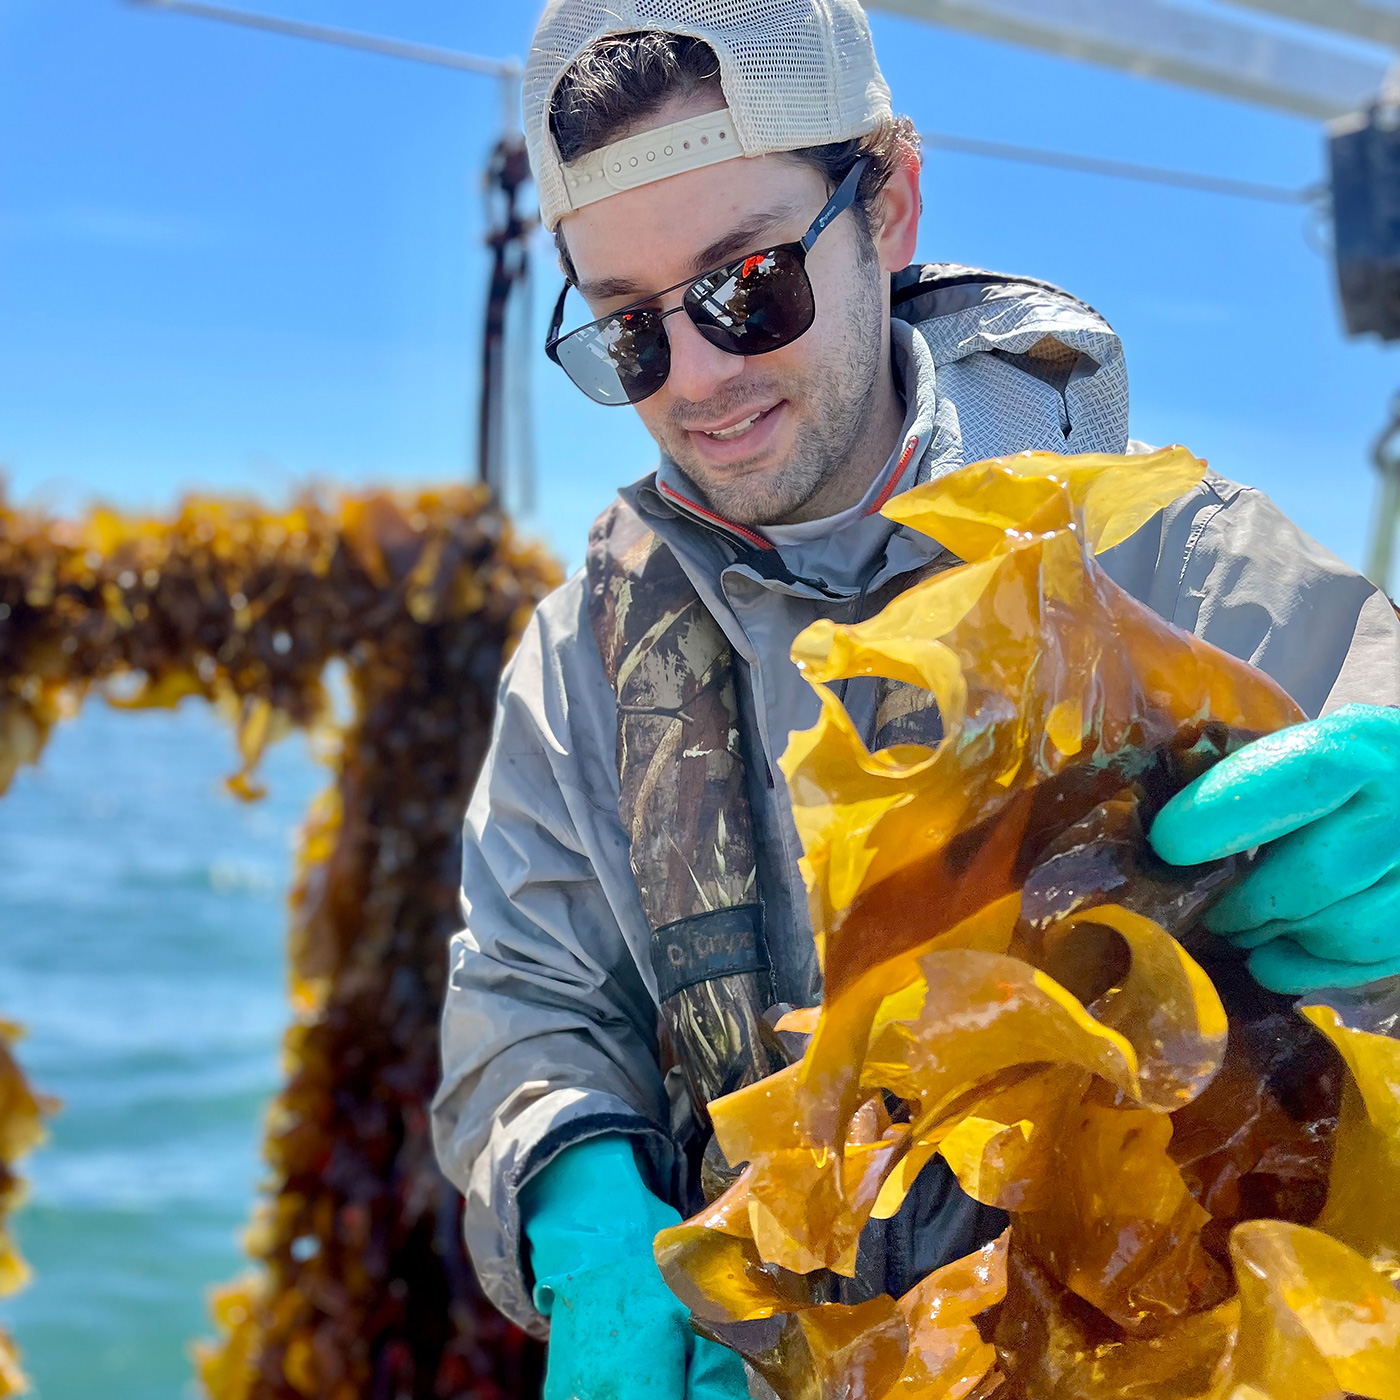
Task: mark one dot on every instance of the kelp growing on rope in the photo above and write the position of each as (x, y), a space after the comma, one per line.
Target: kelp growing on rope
(363, 1288)
(1005, 987)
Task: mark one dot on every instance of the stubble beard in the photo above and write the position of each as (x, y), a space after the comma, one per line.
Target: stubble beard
(833, 404)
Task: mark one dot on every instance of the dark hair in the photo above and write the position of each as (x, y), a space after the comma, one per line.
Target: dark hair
(620, 80)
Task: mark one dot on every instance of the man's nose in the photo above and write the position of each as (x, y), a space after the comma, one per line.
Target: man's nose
(698, 369)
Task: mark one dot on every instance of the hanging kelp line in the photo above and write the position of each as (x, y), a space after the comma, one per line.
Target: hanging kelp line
(362, 1288)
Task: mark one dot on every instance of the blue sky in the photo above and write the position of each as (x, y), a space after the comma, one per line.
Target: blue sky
(233, 260)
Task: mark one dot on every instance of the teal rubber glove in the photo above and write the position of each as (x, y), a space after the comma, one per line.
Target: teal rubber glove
(616, 1332)
(1321, 907)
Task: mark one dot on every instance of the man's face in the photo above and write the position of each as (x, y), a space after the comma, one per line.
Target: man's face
(760, 435)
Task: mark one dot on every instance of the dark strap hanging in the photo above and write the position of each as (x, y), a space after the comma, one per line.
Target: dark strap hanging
(684, 805)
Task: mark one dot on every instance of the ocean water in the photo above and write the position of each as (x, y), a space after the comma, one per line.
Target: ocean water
(142, 928)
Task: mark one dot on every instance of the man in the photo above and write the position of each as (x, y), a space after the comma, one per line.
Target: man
(738, 206)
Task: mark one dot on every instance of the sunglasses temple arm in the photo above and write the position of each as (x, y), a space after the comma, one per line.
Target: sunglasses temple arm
(557, 320)
(838, 203)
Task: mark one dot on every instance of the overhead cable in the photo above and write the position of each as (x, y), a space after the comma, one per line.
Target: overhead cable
(1123, 170)
(508, 68)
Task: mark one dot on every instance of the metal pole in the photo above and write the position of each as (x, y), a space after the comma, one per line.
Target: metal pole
(1386, 456)
(1383, 532)
(507, 174)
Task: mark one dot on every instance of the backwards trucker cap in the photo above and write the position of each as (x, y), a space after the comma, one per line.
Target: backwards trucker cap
(795, 73)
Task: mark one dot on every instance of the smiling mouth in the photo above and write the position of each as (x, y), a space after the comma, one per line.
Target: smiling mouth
(737, 430)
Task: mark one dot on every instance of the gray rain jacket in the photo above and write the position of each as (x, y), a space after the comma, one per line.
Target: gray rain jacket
(549, 1029)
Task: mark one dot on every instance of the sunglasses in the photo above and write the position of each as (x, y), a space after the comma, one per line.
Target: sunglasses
(750, 306)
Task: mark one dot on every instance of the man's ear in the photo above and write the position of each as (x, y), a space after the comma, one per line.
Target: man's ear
(896, 221)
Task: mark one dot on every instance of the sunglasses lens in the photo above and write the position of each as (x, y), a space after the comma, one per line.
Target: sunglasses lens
(623, 359)
(753, 306)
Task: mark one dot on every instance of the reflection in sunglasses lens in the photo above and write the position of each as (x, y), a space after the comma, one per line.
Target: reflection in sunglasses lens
(758, 305)
(623, 359)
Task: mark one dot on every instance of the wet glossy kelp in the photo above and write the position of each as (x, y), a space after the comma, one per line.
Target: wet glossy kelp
(362, 1289)
(1015, 983)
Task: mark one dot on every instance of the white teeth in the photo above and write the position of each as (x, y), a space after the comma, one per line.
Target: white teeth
(724, 434)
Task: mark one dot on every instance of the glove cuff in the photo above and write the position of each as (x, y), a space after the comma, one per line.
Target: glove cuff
(590, 1208)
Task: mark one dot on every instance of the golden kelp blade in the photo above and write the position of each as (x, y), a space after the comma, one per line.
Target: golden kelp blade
(1070, 713)
(1317, 1318)
(1002, 1150)
(984, 1014)
(1122, 1229)
(991, 509)
(1165, 1007)
(946, 1354)
(1360, 1212)
(1049, 1344)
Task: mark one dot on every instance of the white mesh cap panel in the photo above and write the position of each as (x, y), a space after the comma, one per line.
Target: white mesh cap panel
(795, 72)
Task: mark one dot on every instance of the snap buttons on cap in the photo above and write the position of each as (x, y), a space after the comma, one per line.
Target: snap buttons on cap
(682, 146)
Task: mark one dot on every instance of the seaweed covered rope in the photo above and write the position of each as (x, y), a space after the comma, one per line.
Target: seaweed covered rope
(363, 1288)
